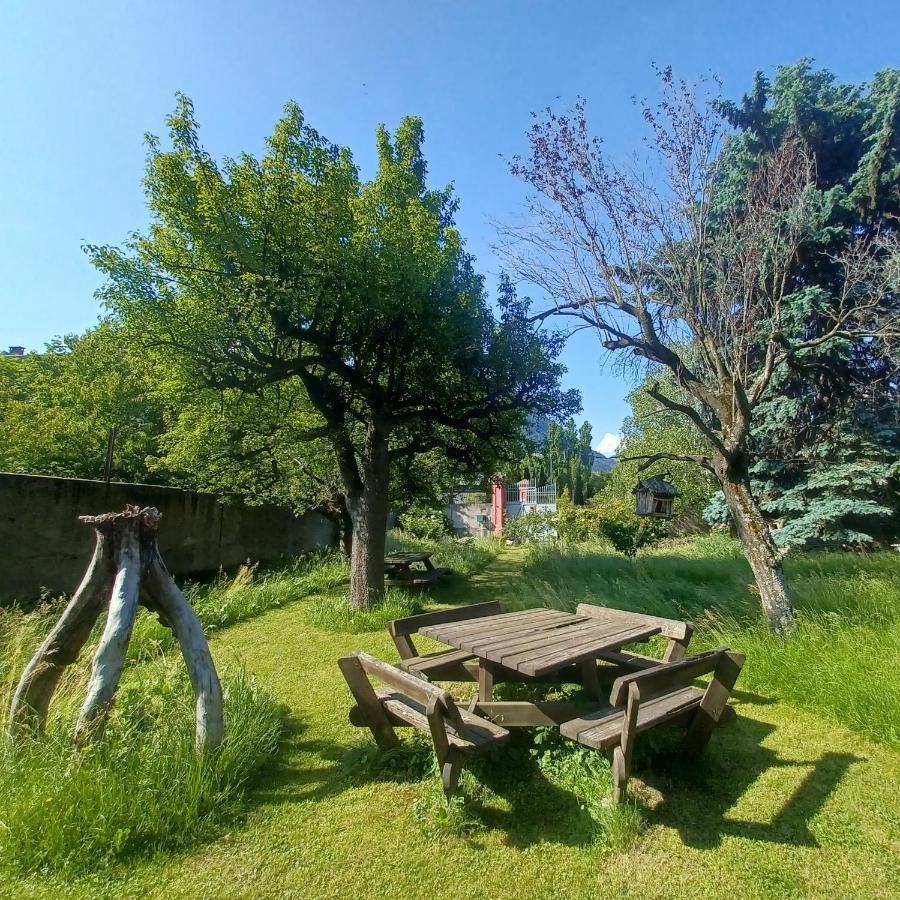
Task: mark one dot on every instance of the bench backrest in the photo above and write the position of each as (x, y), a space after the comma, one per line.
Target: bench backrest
(401, 629)
(629, 690)
(424, 692)
(666, 676)
(671, 628)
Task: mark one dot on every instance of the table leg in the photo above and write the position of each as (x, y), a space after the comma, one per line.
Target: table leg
(590, 678)
(428, 563)
(485, 680)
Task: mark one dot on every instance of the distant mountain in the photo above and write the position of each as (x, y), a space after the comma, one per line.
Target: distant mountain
(536, 429)
(601, 463)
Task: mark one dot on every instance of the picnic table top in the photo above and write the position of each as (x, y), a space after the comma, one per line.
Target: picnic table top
(537, 642)
(405, 559)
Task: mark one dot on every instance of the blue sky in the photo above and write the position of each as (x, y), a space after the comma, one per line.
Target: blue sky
(80, 84)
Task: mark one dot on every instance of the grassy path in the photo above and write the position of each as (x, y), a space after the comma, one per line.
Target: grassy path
(783, 805)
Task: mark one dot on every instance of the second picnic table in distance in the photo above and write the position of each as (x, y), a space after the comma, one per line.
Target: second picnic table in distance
(399, 567)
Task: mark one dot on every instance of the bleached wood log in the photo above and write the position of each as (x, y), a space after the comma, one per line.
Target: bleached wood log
(28, 712)
(126, 569)
(180, 615)
(109, 659)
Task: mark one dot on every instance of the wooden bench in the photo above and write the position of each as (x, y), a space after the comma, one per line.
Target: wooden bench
(399, 569)
(654, 696)
(678, 632)
(419, 577)
(408, 700)
(444, 665)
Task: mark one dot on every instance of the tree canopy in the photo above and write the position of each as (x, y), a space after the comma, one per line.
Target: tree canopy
(707, 271)
(292, 270)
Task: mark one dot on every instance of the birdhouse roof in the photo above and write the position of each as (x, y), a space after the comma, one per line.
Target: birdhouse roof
(657, 486)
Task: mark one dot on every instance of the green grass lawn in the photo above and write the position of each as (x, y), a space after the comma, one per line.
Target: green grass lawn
(799, 798)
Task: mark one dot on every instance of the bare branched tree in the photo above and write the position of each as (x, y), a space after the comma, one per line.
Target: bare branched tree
(655, 260)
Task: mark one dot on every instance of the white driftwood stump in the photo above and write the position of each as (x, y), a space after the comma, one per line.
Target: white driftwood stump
(126, 570)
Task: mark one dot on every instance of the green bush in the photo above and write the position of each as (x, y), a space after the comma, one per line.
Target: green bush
(531, 528)
(626, 531)
(576, 524)
(425, 523)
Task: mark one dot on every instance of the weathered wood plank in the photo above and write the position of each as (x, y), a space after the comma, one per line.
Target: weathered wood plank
(373, 714)
(672, 628)
(525, 713)
(427, 664)
(406, 683)
(585, 650)
(444, 631)
(493, 644)
(714, 700)
(666, 676)
(547, 643)
(591, 633)
(603, 728)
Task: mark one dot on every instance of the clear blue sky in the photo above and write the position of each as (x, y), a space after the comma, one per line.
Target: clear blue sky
(80, 83)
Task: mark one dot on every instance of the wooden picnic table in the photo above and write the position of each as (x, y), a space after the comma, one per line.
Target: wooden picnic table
(402, 562)
(399, 567)
(537, 643)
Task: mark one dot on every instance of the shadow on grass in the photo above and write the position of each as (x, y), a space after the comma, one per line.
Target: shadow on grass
(536, 810)
(287, 781)
(699, 792)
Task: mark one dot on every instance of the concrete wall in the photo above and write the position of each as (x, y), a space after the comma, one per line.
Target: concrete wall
(464, 517)
(44, 546)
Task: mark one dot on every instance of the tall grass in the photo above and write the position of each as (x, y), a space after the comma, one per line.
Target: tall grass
(140, 789)
(842, 659)
(466, 556)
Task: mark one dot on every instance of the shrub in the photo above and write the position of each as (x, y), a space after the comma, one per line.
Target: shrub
(425, 523)
(531, 528)
(577, 524)
(628, 533)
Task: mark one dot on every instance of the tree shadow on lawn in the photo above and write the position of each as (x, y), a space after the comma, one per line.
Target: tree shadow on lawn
(538, 810)
(290, 778)
(699, 791)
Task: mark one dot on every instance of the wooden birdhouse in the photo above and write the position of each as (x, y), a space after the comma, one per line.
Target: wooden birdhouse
(655, 497)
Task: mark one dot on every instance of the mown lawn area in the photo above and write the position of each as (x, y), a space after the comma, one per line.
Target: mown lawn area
(799, 798)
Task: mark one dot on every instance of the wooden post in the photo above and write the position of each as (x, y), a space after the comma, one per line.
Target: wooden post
(126, 569)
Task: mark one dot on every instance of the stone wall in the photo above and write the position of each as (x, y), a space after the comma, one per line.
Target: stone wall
(43, 546)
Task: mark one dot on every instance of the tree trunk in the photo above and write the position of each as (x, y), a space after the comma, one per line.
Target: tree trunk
(367, 507)
(346, 527)
(759, 548)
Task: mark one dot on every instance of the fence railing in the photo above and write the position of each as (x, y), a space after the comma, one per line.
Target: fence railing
(531, 493)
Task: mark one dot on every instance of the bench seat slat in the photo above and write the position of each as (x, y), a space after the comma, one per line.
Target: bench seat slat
(480, 733)
(603, 728)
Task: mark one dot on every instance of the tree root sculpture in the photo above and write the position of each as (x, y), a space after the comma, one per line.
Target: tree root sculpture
(126, 570)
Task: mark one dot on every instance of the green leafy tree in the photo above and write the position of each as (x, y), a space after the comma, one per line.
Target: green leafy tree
(289, 268)
(57, 408)
(650, 429)
(668, 257)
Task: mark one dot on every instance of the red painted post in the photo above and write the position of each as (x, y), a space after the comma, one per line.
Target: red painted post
(498, 505)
